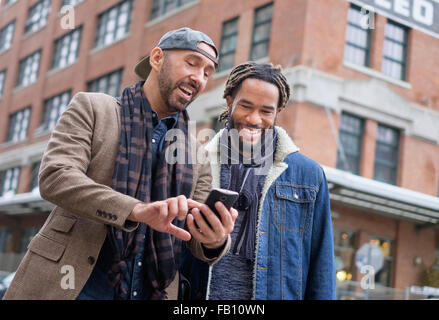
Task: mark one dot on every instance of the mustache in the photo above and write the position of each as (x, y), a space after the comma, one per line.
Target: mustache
(189, 83)
(251, 126)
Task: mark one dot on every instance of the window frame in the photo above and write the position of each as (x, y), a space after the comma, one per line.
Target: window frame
(29, 24)
(2, 82)
(367, 49)
(92, 82)
(404, 44)
(23, 63)
(350, 250)
(3, 46)
(256, 24)
(68, 3)
(12, 131)
(385, 163)
(390, 258)
(58, 47)
(159, 6)
(15, 179)
(359, 138)
(34, 177)
(103, 18)
(48, 122)
(225, 37)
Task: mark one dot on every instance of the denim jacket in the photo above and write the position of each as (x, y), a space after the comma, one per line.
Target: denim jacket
(294, 240)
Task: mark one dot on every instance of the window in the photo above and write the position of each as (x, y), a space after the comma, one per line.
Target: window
(436, 260)
(28, 69)
(229, 37)
(38, 15)
(2, 82)
(53, 108)
(18, 125)
(6, 35)
(357, 48)
(161, 7)
(9, 181)
(109, 83)
(386, 154)
(261, 32)
(350, 142)
(34, 181)
(114, 23)
(344, 250)
(384, 276)
(395, 50)
(66, 49)
(26, 238)
(71, 2)
(5, 237)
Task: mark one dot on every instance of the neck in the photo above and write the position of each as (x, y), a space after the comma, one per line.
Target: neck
(152, 93)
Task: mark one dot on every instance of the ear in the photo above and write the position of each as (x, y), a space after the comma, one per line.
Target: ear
(156, 59)
(279, 110)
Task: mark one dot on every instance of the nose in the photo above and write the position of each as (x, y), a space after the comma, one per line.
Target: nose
(254, 118)
(198, 78)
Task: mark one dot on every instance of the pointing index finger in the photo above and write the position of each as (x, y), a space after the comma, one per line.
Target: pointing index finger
(193, 204)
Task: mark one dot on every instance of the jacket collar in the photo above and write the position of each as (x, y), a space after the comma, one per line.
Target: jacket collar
(284, 147)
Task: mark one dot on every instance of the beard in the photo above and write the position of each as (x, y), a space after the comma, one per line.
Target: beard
(168, 88)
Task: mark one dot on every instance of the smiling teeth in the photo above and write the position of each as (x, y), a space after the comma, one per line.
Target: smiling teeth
(186, 90)
(252, 131)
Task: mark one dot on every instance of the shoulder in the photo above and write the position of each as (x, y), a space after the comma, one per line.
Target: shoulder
(95, 99)
(304, 169)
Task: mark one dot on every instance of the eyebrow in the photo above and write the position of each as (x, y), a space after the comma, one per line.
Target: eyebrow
(251, 103)
(199, 58)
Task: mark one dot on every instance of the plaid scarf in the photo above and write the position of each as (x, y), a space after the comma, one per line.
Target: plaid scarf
(132, 176)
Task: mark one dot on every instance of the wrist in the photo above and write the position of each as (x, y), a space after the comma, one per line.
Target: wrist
(215, 245)
(133, 216)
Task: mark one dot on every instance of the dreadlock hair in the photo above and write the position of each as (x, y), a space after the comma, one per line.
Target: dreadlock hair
(262, 71)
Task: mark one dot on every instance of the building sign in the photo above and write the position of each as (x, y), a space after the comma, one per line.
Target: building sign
(418, 14)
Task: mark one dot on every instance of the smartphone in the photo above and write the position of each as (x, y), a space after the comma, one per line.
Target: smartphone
(227, 197)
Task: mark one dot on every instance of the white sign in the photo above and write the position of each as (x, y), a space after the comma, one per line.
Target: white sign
(369, 255)
(419, 14)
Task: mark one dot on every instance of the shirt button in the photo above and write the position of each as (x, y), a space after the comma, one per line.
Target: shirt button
(153, 140)
(135, 293)
(139, 264)
(91, 260)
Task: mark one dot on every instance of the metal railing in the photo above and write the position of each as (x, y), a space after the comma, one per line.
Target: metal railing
(352, 290)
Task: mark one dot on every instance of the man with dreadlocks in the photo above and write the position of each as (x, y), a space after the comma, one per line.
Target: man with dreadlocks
(282, 244)
(119, 225)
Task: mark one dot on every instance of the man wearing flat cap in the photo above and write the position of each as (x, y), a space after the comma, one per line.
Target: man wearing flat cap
(121, 212)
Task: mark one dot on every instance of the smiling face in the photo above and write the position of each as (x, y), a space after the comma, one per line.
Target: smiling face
(183, 76)
(253, 109)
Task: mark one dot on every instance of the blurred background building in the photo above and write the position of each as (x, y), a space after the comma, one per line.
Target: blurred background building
(365, 105)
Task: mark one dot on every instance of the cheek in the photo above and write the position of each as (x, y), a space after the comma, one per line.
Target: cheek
(269, 121)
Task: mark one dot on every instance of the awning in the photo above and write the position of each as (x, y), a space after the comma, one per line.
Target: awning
(345, 188)
(24, 204)
(382, 198)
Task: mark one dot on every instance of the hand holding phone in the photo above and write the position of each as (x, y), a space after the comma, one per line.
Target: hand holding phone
(226, 197)
(213, 234)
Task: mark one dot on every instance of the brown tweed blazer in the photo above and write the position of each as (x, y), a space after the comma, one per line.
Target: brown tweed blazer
(76, 175)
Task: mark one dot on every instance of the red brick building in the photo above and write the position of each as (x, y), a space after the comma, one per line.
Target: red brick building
(364, 104)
